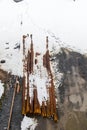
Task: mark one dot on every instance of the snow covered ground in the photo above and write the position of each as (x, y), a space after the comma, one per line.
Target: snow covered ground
(35, 17)
(1, 89)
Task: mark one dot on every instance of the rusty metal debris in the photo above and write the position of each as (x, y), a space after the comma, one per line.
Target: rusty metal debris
(32, 106)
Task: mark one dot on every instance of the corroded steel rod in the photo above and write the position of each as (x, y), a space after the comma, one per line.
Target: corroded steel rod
(32, 55)
(28, 97)
(10, 116)
(36, 104)
(23, 97)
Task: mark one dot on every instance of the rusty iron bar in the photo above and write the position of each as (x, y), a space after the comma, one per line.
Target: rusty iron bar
(23, 96)
(23, 87)
(43, 109)
(36, 104)
(28, 107)
(23, 40)
(32, 55)
(11, 109)
(48, 109)
(24, 78)
(52, 101)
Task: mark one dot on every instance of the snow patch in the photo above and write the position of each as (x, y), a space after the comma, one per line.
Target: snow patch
(28, 123)
(1, 89)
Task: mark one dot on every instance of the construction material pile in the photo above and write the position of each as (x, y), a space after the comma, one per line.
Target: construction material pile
(38, 86)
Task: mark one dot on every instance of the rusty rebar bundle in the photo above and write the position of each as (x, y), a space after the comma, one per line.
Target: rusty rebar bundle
(48, 107)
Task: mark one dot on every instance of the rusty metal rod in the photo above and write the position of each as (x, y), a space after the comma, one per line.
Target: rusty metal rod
(11, 109)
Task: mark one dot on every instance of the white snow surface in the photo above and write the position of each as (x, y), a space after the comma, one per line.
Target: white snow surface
(28, 123)
(66, 18)
(1, 89)
(34, 17)
(13, 60)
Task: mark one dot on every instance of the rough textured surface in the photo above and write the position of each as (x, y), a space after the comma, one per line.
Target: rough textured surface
(4, 112)
(17, 116)
(72, 92)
